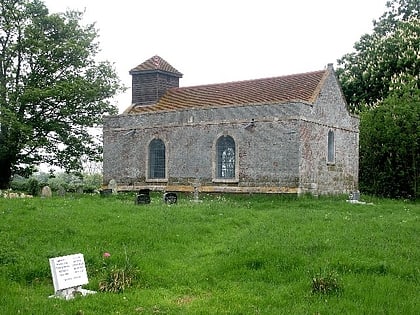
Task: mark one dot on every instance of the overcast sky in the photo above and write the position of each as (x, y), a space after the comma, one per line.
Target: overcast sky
(214, 41)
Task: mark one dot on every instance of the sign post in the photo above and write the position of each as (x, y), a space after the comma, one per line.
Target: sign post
(69, 274)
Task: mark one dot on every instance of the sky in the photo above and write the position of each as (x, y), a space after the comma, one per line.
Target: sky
(216, 41)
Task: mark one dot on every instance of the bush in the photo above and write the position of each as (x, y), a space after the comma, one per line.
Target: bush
(326, 283)
(390, 146)
(91, 182)
(19, 183)
(33, 187)
(116, 279)
(61, 182)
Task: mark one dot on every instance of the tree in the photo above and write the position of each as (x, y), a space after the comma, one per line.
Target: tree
(52, 90)
(390, 144)
(390, 51)
(381, 82)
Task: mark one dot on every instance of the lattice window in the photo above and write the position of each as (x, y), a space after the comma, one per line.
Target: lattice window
(225, 157)
(157, 159)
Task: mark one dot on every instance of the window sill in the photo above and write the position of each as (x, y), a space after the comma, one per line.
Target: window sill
(226, 180)
(156, 180)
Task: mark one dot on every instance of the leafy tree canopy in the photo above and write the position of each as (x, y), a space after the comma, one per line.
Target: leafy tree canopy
(390, 144)
(390, 51)
(381, 81)
(52, 89)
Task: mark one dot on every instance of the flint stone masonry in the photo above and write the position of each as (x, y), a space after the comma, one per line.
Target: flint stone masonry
(285, 151)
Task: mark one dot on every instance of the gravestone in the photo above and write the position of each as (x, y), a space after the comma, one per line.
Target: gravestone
(170, 198)
(69, 274)
(105, 192)
(196, 186)
(113, 186)
(46, 192)
(143, 197)
(61, 191)
(354, 195)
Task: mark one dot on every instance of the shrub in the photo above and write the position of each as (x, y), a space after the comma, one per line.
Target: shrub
(116, 279)
(91, 182)
(33, 187)
(326, 283)
(57, 183)
(19, 183)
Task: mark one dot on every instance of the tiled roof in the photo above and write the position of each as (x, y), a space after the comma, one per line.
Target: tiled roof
(155, 63)
(302, 87)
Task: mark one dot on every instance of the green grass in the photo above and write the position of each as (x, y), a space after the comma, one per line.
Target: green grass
(226, 255)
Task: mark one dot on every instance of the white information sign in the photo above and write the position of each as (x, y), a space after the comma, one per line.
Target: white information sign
(68, 271)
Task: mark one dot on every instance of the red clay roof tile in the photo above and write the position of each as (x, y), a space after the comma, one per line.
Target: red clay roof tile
(297, 87)
(156, 63)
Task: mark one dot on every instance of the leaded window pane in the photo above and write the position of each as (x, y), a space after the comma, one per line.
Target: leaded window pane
(157, 159)
(226, 157)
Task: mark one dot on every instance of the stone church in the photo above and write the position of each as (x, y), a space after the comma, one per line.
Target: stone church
(286, 134)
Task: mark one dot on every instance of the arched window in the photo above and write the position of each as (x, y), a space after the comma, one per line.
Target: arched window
(226, 157)
(331, 147)
(157, 160)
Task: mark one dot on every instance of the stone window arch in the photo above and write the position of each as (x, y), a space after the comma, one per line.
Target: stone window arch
(157, 159)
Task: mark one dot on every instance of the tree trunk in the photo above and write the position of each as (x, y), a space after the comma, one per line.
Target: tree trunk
(5, 173)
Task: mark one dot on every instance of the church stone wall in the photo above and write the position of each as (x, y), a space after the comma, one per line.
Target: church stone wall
(329, 113)
(267, 153)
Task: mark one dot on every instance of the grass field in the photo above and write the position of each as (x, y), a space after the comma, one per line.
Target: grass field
(226, 255)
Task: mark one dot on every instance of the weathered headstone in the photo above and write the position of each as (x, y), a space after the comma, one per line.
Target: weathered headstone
(354, 195)
(170, 198)
(143, 196)
(61, 191)
(69, 274)
(113, 186)
(46, 192)
(105, 192)
(196, 186)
